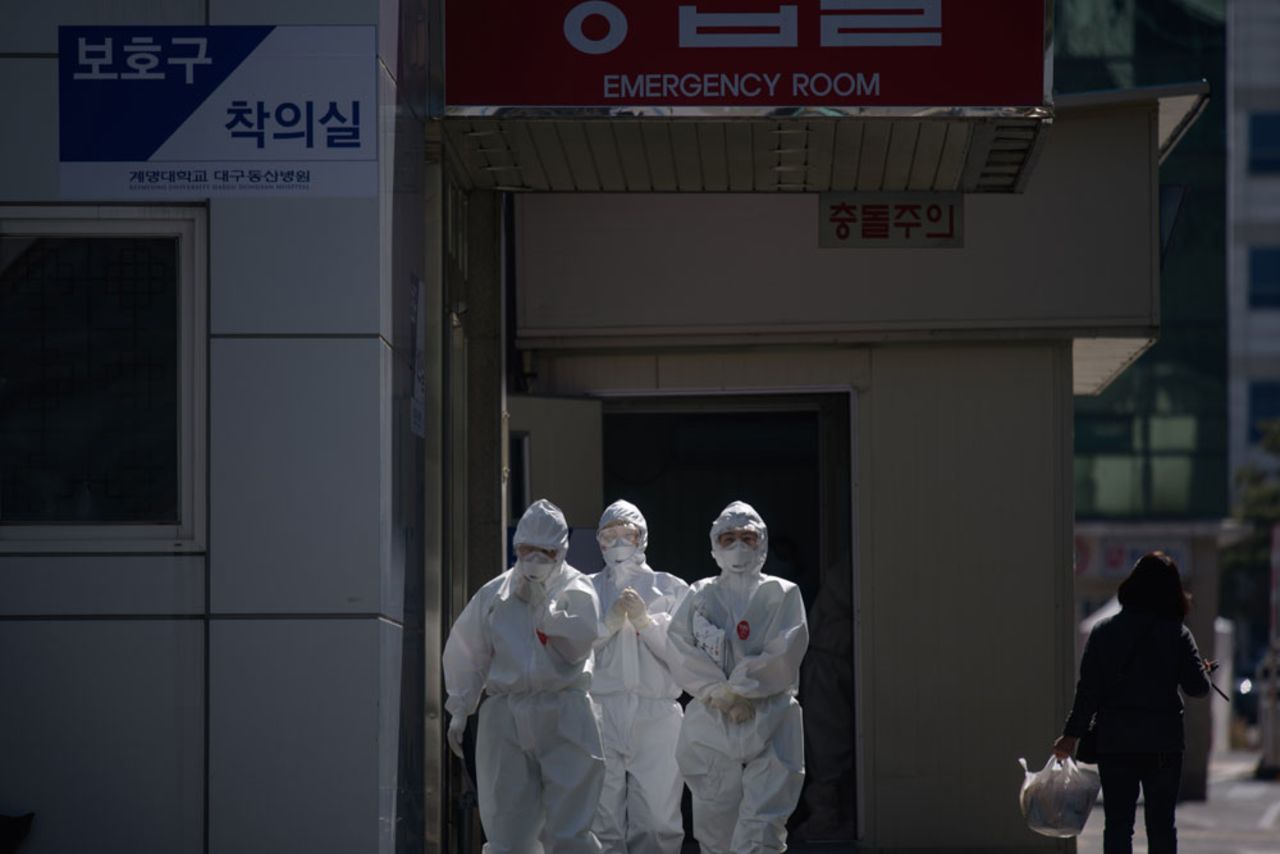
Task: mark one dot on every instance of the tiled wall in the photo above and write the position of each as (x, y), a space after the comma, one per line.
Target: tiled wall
(118, 727)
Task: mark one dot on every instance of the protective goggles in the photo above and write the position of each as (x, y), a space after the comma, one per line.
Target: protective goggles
(523, 550)
(726, 539)
(618, 535)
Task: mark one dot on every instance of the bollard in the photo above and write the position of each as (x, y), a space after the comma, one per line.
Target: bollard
(1269, 714)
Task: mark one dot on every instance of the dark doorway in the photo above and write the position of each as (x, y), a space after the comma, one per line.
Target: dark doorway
(681, 469)
(681, 460)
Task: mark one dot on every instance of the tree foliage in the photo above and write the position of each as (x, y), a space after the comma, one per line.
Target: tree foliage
(1246, 565)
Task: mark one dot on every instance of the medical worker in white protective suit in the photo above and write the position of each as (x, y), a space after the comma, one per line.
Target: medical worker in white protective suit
(526, 638)
(739, 638)
(639, 809)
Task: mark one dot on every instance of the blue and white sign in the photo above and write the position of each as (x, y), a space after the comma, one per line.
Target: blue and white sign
(217, 112)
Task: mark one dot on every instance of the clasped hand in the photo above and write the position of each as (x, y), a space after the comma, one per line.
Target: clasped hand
(737, 708)
(637, 611)
(529, 590)
(1064, 746)
(628, 606)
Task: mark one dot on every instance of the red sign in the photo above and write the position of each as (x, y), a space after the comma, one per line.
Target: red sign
(780, 53)
(542, 638)
(744, 630)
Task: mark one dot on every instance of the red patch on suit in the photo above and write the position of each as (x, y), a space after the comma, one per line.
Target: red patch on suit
(542, 639)
(744, 630)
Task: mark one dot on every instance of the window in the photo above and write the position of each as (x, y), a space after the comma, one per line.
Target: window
(1264, 406)
(101, 379)
(1264, 143)
(1264, 277)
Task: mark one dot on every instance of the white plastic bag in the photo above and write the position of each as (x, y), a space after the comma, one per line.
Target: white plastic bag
(1056, 800)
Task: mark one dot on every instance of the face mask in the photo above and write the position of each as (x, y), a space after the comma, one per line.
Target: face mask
(737, 558)
(619, 553)
(535, 566)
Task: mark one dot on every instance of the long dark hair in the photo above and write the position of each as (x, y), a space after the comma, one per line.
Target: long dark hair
(1155, 586)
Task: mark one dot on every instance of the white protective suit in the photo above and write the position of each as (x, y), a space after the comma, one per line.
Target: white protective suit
(526, 639)
(636, 695)
(739, 638)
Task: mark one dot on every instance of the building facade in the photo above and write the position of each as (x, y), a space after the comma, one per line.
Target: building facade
(1151, 451)
(1253, 248)
(213, 523)
(260, 447)
(1253, 130)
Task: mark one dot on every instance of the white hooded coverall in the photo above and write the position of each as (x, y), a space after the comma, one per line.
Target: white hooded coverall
(742, 632)
(636, 695)
(539, 762)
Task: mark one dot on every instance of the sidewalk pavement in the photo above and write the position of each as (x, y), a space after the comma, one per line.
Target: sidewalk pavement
(1241, 816)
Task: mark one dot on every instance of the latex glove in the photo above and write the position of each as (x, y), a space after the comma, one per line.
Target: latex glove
(637, 611)
(617, 615)
(721, 697)
(457, 728)
(742, 710)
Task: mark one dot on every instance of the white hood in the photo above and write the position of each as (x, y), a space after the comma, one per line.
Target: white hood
(628, 513)
(542, 525)
(740, 582)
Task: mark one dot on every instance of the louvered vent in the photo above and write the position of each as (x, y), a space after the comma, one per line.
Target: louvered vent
(744, 155)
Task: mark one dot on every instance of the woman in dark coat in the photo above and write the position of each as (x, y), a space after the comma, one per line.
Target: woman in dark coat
(1133, 665)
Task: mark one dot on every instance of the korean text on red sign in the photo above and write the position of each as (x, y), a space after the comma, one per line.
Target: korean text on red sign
(618, 53)
(891, 220)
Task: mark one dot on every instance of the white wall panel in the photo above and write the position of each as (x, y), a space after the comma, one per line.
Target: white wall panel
(102, 734)
(294, 266)
(29, 142)
(405, 224)
(966, 502)
(1237, 419)
(300, 454)
(1261, 332)
(295, 724)
(1255, 32)
(32, 27)
(1258, 198)
(403, 524)
(389, 35)
(390, 649)
(294, 12)
(1076, 250)
(101, 584)
(387, 113)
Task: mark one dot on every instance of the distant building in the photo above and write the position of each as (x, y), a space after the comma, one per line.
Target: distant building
(1151, 461)
(1253, 224)
(1253, 245)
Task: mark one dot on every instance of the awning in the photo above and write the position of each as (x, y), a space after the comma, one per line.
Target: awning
(1180, 105)
(803, 153)
(1097, 361)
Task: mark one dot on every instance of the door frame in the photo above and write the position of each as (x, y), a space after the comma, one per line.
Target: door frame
(747, 399)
